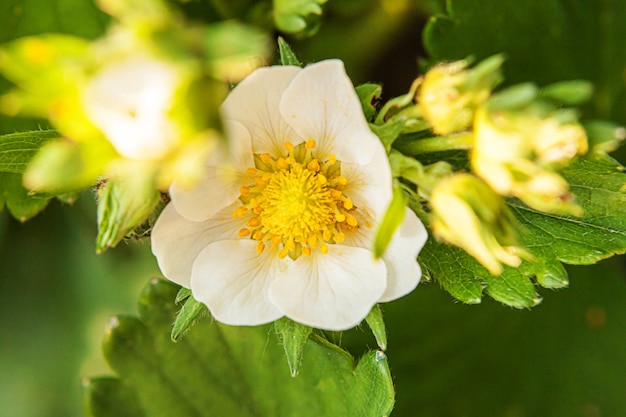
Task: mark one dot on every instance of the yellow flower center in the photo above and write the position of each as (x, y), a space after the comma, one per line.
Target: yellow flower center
(296, 202)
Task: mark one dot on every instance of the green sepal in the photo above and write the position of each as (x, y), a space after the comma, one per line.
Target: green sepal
(293, 336)
(376, 323)
(604, 136)
(21, 204)
(297, 16)
(188, 315)
(123, 205)
(389, 132)
(391, 221)
(368, 95)
(287, 56)
(514, 97)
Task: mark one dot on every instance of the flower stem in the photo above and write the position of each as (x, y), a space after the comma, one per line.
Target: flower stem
(457, 141)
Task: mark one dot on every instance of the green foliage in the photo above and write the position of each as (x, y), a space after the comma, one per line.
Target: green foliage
(188, 315)
(295, 16)
(293, 336)
(223, 370)
(369, 94)
(375, 321)
(543, 41)
(287, 56)
(391, 221)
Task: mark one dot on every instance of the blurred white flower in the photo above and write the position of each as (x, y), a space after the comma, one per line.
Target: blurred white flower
(130, 99)
(286, 228)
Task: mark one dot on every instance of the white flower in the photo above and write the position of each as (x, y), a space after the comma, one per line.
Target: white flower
(286, 228)
(129, 101)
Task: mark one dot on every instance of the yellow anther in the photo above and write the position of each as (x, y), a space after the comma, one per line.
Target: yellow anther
(324, 248)
(251, 171)
(276, 239)
(327, 234)
(254, 202)
(332, 158)
(306, 251)
(310, 144)
(312, 241)
(281, 163)
(243, 232)
(260, 247)
(340, 218)
(339, 237)
(291, 160)
(351, 220)
(267, 176)
(257, 210)
(253, 222)
(244, 190)
(241, 211)
(335, 194)
(282, 254)
(258, 235)
(341, 180)
(321, 178)
(260, 181)
(291, 245)
(266, 157)
(289, 146)
(347, 204)
(314, 165)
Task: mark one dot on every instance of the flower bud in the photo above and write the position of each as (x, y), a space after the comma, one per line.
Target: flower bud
(468, 214)
(517, 152)
(450, 93)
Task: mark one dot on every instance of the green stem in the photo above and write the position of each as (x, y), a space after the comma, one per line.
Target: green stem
(457, 141)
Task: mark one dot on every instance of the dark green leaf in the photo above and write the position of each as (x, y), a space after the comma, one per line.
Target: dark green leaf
(293, 337)
(287, 57)
(235, 371)
(109, 397)
(20, 203)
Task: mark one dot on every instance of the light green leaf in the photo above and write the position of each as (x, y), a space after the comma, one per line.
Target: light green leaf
(292, 16)
(233, 371)
(389, 132)
(294, 337)
(17, 149)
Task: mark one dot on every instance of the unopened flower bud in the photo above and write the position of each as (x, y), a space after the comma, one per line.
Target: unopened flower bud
(469, 214)
(450, 93)
(517, 152)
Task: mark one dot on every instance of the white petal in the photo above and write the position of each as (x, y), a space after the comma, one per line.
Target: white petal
(334, 291)
(255, 103)
(370, 186)
(403, 271)
(321, 103)
(177, 241)
(221, 179)
(233, 281)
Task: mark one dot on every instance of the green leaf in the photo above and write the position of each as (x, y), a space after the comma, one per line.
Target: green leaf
(543, 42)
(570, 93)
(109, 397)
(20, 203)
(391, 221)
(287, 57)
(369, 94)
(375, 320)
(233, 371)
(598, 182)
(191, 312)
(17, 149)
(293, 337)
(389, 132)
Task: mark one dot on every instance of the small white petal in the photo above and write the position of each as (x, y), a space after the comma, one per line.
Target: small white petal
(403, 271)
(177, 241)
(219, 186)
(254, 103)
(333, 291)
(369, 186)
(321, 103)
(233, 280)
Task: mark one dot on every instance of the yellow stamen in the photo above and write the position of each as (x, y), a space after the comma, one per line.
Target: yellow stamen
(335, 194)
(289, 146)
(266, 157)
(332, 158)
(260, 181)
(253, 222)
(258, 235)
(312, 241)
(347, 204)
(241, 211)
(340, 218)
(351, 220)
(276, 239)
(310, 144)
(243, 232)
(260, 247)
(282, 254)
(281, 163)
(327, 234)
(324, 248)
(291, 245)
(244, 190)
(339, 237)
(341, 180)
(251, 171)
(306, 251)
(314, 165)
(290, 160)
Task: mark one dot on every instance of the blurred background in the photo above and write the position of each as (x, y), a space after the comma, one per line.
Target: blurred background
(566, 357)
